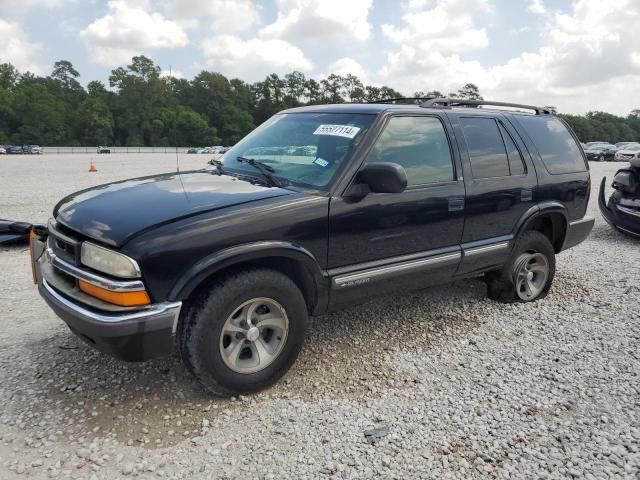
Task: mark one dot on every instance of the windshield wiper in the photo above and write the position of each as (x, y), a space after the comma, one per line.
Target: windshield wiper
(266, 170)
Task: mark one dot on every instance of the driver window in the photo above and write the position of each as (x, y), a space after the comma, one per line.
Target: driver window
(420, 145)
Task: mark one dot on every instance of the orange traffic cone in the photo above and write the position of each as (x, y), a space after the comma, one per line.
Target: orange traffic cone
(92, 167)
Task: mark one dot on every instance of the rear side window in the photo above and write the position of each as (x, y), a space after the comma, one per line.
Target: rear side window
(560, 152)
(486, 147)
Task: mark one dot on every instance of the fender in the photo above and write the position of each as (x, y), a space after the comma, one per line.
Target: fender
(535, 212)
(247, 252)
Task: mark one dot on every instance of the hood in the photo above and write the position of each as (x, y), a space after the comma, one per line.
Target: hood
(115, 212)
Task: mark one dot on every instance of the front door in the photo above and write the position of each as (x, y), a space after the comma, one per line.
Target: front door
(389, 241)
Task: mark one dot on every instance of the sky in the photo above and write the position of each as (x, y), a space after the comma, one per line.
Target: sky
(575, 55)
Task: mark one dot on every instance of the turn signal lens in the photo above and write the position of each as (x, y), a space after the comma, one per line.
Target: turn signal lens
(123, 299)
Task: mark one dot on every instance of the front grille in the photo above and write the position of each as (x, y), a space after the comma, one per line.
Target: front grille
(62, 244)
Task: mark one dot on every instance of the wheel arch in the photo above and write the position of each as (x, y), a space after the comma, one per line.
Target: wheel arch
(292, 260)
(548, 218)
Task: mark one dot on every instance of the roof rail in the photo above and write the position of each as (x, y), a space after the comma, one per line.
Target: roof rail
(463, 102)
(403, 99)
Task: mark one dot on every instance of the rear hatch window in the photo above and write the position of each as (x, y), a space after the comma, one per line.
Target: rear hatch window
(559, 150)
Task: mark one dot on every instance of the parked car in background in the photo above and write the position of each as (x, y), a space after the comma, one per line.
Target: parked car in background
(622, 211)
(600, 152)
(3, 151)
(14, 150)
(628, 152)
(13, 232)
(194, 150)
(620, 145)
(102, 149)
(32, 149)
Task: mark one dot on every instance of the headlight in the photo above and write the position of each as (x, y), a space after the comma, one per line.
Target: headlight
(108, 261)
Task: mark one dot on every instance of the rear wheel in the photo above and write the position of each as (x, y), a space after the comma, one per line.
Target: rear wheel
(243, 332)
(528, 273)
(601, 158)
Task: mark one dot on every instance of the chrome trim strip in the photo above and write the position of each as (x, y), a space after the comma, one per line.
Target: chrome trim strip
(172, 308)
(367, 275)
(468, 252)
(98, 281)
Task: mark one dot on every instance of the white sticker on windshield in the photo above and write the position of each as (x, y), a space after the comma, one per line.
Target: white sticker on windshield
(321, 161)
(346, 131)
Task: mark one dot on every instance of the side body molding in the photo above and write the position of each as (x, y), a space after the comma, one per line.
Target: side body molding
(255, 251)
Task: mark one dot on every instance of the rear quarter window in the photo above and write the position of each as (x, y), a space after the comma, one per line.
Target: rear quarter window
(559, 150)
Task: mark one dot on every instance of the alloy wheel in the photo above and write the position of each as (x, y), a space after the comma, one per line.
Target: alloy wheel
(254, 335)
(531, 271)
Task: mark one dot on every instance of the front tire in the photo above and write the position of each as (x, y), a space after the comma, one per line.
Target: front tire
(244, 331)
(528, 274)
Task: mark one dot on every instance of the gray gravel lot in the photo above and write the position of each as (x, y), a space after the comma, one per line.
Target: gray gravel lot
(466, 387)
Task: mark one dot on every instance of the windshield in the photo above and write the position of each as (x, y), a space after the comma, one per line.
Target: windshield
(303, 149)
(632, 148)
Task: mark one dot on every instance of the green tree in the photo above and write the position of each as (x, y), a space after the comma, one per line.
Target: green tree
(469, 91)
(181, 126)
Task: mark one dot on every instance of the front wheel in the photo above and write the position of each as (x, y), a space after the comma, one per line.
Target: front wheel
(243, 332)
(528, 273)
(601, 158)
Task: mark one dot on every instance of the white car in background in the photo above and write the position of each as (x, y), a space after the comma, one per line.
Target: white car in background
(3, 151)
(628, 152)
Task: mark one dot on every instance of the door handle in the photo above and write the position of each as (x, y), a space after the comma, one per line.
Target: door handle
(456, 204)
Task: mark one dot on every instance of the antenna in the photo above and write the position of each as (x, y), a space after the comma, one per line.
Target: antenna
(175, 138)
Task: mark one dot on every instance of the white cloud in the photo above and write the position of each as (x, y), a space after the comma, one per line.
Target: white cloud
(584, 57)
(228, 15)
(346, 65)
(447, 27)
(536, 7)
(326, 19)
(253, 59)
(17, 48)
(128, 29)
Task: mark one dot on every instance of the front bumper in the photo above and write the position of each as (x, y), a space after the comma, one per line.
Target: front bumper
(131, 335)
(618, 219)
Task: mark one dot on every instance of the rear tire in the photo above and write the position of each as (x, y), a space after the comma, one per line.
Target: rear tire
(528, 273)
(244, 331)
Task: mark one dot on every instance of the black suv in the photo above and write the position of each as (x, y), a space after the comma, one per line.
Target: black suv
(318, 208)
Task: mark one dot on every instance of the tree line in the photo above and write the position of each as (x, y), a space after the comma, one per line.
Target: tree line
(144, 108)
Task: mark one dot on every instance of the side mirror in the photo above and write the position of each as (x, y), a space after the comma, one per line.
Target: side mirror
(383, 177)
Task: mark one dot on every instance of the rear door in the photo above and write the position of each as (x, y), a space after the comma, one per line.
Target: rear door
(500, 180)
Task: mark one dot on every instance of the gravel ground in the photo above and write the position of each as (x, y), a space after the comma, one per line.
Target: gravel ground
(460, 386)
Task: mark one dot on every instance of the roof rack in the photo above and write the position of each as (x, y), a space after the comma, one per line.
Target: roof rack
(462, 102)
(414, 100)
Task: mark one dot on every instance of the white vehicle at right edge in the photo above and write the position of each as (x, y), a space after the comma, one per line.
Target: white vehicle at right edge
(628, 152)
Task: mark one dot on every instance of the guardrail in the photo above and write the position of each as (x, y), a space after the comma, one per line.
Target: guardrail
(69, 150)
